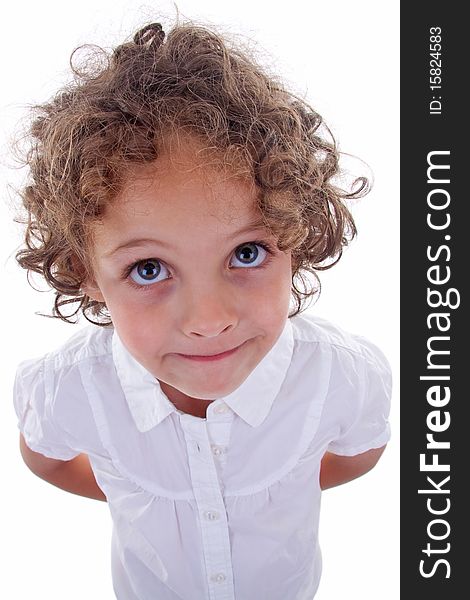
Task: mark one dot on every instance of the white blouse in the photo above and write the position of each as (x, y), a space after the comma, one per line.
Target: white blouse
(221, 508)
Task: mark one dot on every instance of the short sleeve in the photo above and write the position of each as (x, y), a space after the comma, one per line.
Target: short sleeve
(369, 427)
(34, 406)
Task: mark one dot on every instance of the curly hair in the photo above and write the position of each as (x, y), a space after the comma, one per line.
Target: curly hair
(116, 112)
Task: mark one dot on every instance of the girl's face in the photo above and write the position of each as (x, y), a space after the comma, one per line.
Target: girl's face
(187, 271)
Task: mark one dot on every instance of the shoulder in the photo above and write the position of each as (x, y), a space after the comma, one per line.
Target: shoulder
(353, 359)
(311, 330)
(90, 342)
(355, 413)
(52, 404)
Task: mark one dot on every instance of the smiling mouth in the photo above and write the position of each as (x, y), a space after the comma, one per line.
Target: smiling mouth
(212, 356)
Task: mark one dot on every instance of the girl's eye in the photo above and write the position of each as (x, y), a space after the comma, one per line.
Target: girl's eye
(148, 271)
(251, 254)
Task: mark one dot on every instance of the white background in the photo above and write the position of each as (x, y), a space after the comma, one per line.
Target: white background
(343, 56)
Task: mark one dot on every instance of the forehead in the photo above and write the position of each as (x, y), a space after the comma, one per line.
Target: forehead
(188, 189)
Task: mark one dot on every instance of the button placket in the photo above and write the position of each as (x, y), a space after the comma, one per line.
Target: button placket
(213, 518)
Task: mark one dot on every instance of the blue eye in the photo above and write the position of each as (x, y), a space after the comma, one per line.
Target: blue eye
(250, 255)
(147, 271)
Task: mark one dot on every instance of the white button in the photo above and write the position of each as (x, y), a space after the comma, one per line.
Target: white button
(218, 578)
(211, 515)
(218, 450)
(221, 409)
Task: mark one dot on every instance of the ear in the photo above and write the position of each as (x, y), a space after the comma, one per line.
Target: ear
(92, 289)
(89, 285)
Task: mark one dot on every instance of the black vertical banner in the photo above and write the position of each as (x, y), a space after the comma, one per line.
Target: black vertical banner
(435, 268)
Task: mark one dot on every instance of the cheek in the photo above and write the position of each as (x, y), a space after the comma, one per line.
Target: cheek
(141, 328)
(280, 279)
(272, 294)
(129, 307)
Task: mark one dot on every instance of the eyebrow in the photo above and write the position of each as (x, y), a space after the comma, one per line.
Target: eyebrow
(138, 242)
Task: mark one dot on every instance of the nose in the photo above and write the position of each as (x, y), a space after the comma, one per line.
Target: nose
(209, 313)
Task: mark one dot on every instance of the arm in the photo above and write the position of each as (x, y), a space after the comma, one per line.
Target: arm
(75, 476)
(336, 469)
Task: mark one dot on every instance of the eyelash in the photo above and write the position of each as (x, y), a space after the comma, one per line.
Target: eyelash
(144, 288)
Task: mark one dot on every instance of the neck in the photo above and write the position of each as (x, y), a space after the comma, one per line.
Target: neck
(187, 404)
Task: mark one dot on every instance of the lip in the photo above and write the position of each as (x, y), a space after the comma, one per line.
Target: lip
(213, 357)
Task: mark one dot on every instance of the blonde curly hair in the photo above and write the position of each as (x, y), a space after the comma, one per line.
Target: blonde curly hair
(114, 116)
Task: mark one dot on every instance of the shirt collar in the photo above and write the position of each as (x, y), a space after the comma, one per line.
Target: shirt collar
(251, 401)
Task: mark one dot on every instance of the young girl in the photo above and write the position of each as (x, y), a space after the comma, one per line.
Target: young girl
(179, 196)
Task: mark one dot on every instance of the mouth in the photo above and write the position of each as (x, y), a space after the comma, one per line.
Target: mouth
(212, 357)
